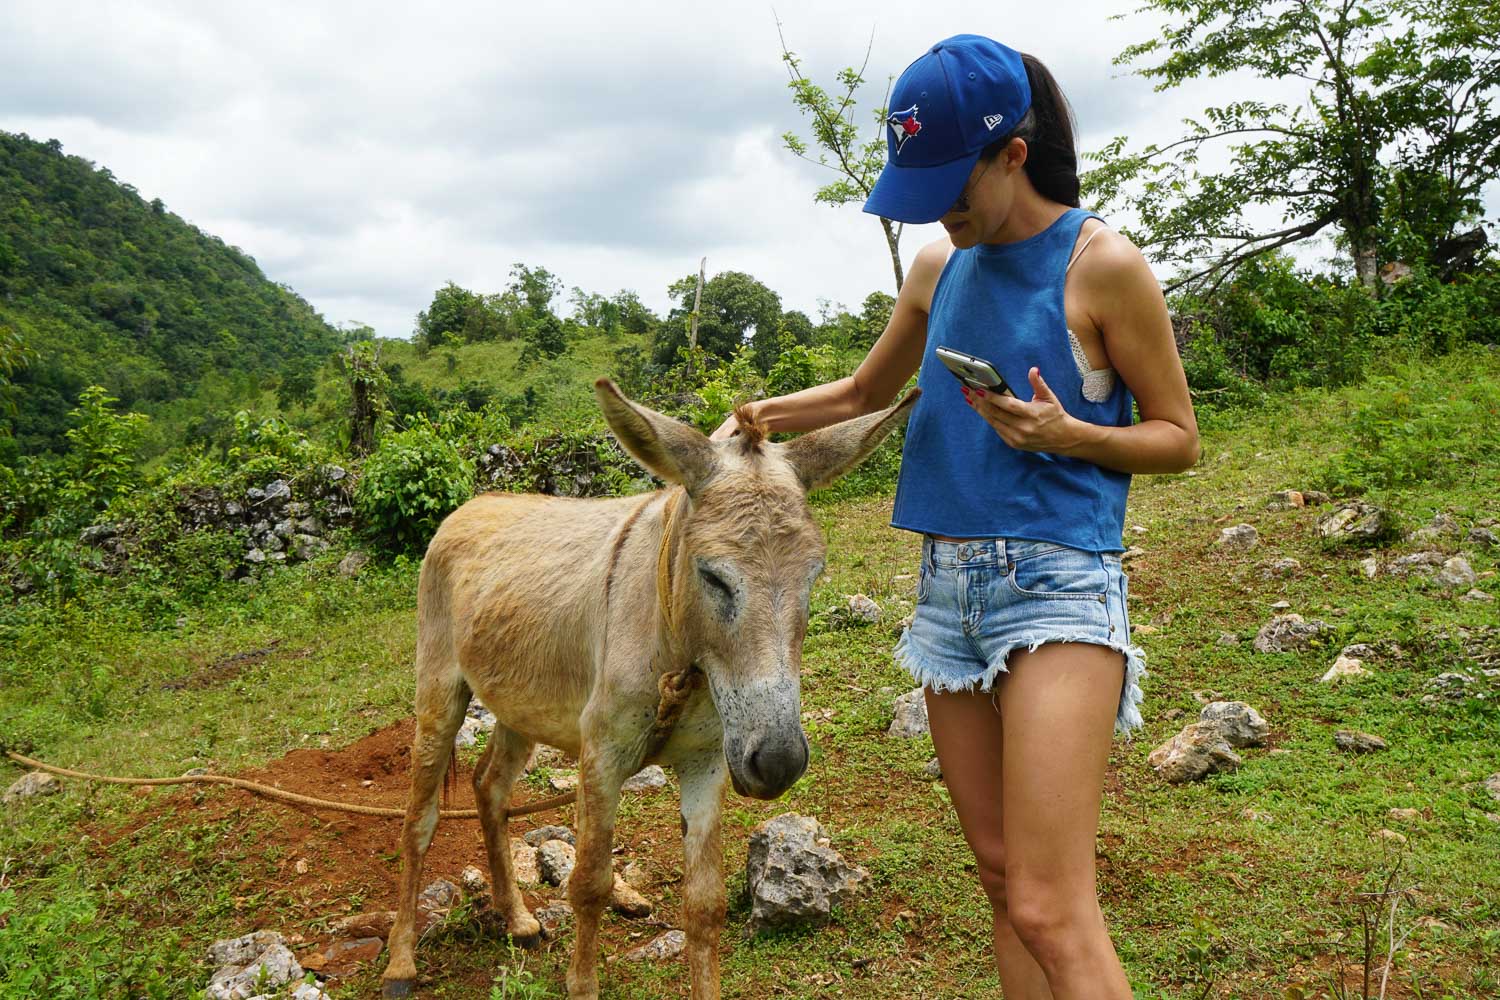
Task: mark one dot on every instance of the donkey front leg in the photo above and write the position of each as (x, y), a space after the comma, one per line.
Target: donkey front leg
(599, 779)
(703, 905)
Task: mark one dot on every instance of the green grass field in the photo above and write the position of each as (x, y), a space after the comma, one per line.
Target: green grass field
(114, 893)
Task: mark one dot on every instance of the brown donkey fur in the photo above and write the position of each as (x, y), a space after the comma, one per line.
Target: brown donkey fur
(561, 615)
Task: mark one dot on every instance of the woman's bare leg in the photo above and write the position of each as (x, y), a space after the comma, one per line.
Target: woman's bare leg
(1059, 705)
(966, 732)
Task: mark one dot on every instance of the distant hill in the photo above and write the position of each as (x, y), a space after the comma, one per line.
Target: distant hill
(105, 287)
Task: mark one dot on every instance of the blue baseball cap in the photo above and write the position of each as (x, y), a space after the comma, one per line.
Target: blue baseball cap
(961, 95)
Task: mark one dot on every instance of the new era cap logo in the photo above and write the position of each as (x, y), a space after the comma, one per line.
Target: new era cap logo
(990, 121)
(904, 125)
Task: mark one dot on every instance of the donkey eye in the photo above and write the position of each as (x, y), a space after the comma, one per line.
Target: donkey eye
(715, 582)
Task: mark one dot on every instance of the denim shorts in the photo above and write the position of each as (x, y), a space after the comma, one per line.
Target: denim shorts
(979, 600)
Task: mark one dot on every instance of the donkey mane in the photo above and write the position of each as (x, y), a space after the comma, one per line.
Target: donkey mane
(752, 431)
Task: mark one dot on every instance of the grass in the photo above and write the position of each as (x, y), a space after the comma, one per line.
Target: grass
(1200, 899)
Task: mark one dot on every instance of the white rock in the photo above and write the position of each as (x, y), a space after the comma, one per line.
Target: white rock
(1344, 668)
(1241, 725)
(863, 609)
(473, 881)
(1241, 536)
(661, 948)
(1198, 751)
(1476, 594)
(555, 860)
(648, 779)
(1457, 572)
(1369, 566)
(523, 863)
(30, 785)
(910, 716)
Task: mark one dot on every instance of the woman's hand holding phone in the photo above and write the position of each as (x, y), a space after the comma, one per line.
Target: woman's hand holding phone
(1040, 425)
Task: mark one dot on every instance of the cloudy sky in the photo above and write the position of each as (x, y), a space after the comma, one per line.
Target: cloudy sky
(366, 153)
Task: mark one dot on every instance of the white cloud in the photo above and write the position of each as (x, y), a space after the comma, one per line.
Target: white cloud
(366, 153)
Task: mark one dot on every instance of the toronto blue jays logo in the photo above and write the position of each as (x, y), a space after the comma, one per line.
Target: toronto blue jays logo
(903, 125)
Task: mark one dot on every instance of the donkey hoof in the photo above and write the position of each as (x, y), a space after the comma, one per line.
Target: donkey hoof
(393, 989)
(530, 941)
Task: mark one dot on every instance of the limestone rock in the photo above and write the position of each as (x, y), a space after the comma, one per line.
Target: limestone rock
(910, 716)
(523, 863)
(1391, 835)
(794, 875)
(1492, 785)
(1355, 741)
(1356, 522)
(1441, 526)
(1405, 815)
(272, 966)
(473, 880)
(1457, 572)
(1416, 564)
(1286, 500)
(352, 563)
(1477, 595)
(1483, 536)
(649, 779)
(662, 948)
(1196, 752)
(623, 898)
(440, 894)
(31, 785)
(863, 610)
(933, 769)
(242, 950)
(555, 860)
(1369, 566)
(1241, 537)
(563, 782)
(1344, 668)
(1241, 725)
(1287, 633)
(554, 917)
(542, 834)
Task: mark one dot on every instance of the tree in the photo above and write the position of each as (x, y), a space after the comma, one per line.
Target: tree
(837, 138)
(534, 287)
(1398, 90)
(457, 311)
(735, 305)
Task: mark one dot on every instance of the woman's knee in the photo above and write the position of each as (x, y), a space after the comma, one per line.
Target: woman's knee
(991, 864)
(1051, 919)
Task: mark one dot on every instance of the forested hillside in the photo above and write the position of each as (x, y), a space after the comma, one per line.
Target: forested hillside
(99, 286)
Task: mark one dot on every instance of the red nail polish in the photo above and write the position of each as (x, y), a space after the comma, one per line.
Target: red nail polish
(980, 391)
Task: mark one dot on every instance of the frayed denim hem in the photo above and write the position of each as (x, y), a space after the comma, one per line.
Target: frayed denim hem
(1127, 716)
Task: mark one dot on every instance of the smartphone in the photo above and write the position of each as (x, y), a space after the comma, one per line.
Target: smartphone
(976, 373)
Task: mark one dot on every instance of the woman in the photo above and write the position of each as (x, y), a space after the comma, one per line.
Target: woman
(1020, 636)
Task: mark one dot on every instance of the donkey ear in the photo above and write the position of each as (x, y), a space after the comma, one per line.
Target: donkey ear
(668, 448)
(821, 456)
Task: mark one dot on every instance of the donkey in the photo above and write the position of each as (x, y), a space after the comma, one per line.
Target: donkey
(566, 616)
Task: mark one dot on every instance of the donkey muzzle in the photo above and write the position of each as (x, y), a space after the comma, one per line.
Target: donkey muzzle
(770, 766)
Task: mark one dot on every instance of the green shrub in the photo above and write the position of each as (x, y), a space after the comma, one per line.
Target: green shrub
(413, 480)
(1420, 424)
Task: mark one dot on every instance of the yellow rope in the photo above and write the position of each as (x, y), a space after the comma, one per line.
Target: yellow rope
(281, 794)
(673, 688)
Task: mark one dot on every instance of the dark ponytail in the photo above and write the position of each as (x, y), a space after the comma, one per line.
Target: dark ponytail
(1047, 129)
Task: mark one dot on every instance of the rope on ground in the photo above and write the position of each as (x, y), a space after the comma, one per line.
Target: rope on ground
(280, 794)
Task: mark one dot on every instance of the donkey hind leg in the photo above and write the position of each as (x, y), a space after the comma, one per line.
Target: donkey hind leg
(703, 904)
(441, 702)
(503, 760)
(589, 887)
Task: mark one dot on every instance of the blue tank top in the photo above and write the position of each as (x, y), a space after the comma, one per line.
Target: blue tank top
(1004, 303)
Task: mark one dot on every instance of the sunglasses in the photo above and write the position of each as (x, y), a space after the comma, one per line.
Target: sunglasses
(962, 204)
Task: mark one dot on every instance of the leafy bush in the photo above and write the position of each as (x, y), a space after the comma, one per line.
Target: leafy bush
(1420, 425)
(413, 480)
